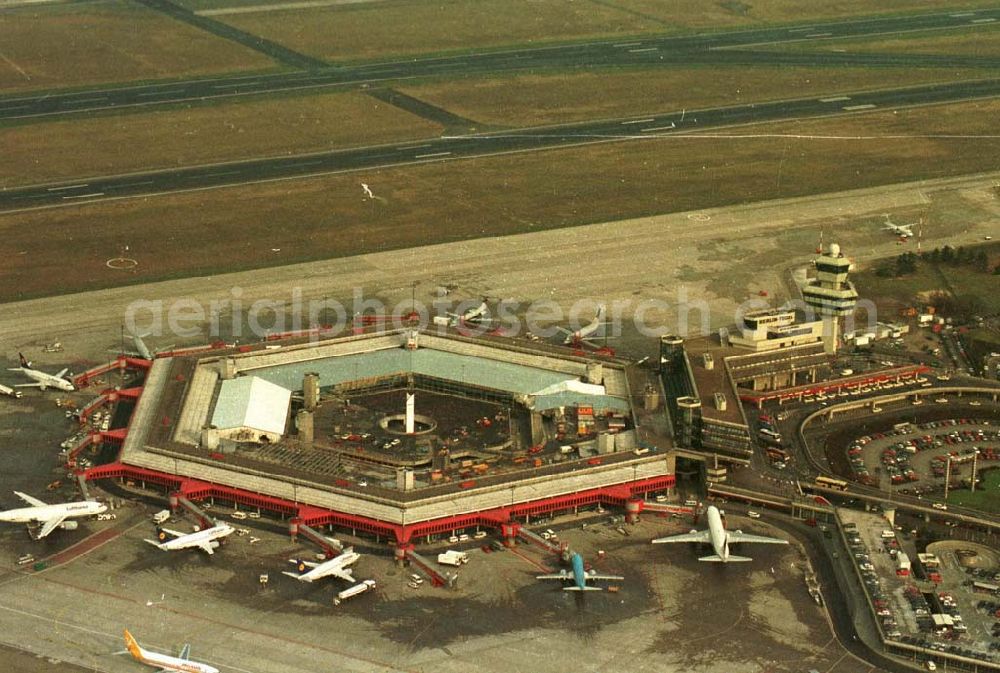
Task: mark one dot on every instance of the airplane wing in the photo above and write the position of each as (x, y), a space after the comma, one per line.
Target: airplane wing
(173, 532)
(563, 576)
(206, 547)
(62, 373)
(696, 536)
(51, 525)
(344, 574)
(35, 502)
(595, 576)
(186, 652)
(563, 330)
(740, 536)
(30, 385)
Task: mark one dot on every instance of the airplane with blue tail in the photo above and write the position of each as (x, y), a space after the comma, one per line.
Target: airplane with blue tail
(579, 576)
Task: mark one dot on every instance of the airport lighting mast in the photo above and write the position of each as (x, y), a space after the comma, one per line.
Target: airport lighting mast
(830, 294)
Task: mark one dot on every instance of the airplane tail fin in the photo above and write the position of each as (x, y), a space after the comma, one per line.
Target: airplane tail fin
(24, 361)
(715, 558)
(576, 588)
(133, 646)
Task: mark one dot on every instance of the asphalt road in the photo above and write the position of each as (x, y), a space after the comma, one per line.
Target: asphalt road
(738, 47)
(464, 146)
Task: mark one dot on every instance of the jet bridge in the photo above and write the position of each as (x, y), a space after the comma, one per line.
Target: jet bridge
(178, 500)
(437, 579)
(331, 547)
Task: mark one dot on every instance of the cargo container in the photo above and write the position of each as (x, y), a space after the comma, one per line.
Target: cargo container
(10, 392)
(453, 558)
(902, 564)
(359, 588)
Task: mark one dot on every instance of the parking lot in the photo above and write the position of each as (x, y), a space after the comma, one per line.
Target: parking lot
(923, 598)
(913, 457)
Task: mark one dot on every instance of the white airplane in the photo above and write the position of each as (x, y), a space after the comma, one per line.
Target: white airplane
(142, 350)
(51, 516)
(167, 664)
(719, 538)
(579, 576)
(580, 336)
(207, 540)
(474, 314)
(337, 567)
(42, 380)
(901, 230)
(368, 191)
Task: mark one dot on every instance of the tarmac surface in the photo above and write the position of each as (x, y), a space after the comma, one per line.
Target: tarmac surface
(707, 48)
(672, 613)
(447, 148)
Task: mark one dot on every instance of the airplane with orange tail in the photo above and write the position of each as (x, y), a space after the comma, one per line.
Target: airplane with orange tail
(166, 663)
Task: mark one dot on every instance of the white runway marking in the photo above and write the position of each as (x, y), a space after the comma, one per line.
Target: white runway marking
(435, 154)
(866, 106)
(639, 121)
(835, 99)
(59, 189)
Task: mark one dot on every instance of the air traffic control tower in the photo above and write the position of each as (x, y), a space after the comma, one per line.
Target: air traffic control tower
(830, 294)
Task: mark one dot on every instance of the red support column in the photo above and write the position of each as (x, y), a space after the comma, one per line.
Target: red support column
(632, 508)
(509, 531)
(400, 552)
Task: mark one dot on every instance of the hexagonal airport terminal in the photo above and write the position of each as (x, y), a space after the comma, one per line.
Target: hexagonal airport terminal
(378, 428)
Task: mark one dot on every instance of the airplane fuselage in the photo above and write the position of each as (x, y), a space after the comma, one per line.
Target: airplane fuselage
(587, 329)
(47, 380)
(197, 539)
(164, 661)
(717, 532)
(47, 512)
(579, 572)
(329, 567)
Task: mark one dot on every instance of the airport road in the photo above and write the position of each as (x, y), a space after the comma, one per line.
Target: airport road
(710, 48)
(447, 148)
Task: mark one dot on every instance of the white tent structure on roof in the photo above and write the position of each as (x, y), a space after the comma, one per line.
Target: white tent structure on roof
(251, 409)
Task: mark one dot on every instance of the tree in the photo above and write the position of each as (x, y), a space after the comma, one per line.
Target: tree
(906, 264)
(947, 255)
(982, 262)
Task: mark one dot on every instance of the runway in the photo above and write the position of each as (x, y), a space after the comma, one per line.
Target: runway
(448, 148)
(734, 47)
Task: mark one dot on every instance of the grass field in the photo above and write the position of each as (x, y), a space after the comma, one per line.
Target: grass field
(981, 41)
(375, 30)
(986, 497)
(400, 27)
(164, 137)
(237, 228)
(735, 13)
(913, 289)
(534, 99)
(69, 45)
